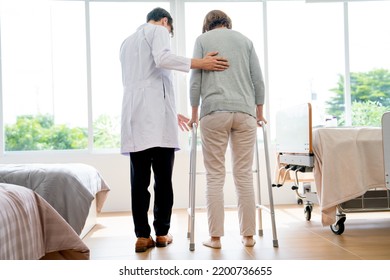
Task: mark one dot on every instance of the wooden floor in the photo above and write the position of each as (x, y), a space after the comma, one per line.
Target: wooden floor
(366, 237)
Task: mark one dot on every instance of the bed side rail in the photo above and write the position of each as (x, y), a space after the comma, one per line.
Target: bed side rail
(294, 129)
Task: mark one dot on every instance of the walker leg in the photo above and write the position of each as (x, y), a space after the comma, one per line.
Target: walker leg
(192, 184)
(258, 205)
(269, 183)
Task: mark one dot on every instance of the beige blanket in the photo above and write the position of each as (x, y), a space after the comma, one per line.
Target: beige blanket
(348, 162)
(30, 228)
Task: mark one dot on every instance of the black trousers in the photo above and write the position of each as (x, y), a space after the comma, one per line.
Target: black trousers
(161, 161)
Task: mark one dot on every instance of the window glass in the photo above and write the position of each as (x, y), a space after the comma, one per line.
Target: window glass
(111, 23)
(45, 72)
(306, 55)
(44, 75)
(369, 29)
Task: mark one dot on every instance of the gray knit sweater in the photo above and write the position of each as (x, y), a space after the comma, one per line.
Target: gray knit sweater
(237, 89)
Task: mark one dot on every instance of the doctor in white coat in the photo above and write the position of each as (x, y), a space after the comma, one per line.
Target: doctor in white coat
(149, 129)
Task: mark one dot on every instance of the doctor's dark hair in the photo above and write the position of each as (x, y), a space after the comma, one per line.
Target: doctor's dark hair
(157, 14)
(214, 19)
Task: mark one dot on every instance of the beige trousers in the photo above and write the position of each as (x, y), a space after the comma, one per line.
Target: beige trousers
(239, 131)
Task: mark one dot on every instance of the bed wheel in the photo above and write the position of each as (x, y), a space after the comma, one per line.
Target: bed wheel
(299, 201)
(307, 211)
(339, 227)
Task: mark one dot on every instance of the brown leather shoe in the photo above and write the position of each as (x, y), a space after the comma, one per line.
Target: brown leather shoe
(144, 244)
(164, 240)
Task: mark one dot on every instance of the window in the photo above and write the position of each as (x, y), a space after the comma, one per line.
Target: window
(306, 54)
(49, 109)
(60, 69)
(44, 83)
(369, 25)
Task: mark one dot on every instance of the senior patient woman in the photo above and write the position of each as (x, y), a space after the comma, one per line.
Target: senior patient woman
(231, 106)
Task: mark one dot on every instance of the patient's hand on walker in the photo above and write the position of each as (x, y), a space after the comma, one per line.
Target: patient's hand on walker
(182, 122)
(261, 120)
(193, 121)
(259, 115)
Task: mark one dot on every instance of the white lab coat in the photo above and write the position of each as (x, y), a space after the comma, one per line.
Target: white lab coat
(149, 117)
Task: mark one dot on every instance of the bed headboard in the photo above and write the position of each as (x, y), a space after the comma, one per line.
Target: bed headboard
(386, 146)
(294, 130)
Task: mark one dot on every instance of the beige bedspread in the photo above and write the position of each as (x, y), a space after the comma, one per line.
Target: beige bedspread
(68, 188)
(347, 162)
(30, 229)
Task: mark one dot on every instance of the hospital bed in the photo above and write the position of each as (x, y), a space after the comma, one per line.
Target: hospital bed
(348, 164)
(259, 205)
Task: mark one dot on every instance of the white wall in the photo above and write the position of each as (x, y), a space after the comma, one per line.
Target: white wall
(115, 170)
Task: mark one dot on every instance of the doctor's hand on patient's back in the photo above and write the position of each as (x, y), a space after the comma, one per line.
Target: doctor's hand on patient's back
(211, 62)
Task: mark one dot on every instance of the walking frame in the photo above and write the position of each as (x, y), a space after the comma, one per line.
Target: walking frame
(192, 188)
